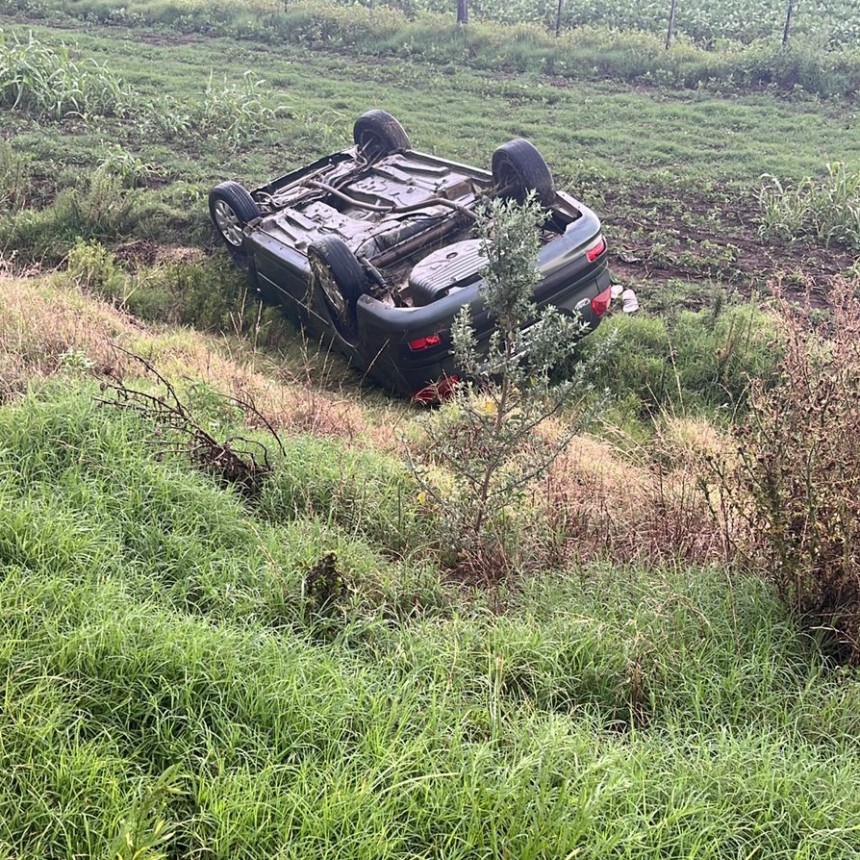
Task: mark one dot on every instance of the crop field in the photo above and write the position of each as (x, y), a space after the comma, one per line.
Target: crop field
(196, 668)
(831, 24)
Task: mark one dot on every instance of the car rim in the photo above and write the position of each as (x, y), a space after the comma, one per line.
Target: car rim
(509, 179)
(330, 289)
(228, 223)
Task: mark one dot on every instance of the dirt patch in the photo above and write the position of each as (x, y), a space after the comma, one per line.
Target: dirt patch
(706, 239)
(136, 254)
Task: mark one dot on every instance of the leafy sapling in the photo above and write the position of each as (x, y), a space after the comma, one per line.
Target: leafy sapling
(487, 440)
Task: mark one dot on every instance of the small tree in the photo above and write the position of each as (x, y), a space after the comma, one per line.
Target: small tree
(462, 11)
(485, 446)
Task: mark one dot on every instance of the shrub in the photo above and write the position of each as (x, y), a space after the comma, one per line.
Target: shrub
(91, 267)
(486, 438)
(795, 485)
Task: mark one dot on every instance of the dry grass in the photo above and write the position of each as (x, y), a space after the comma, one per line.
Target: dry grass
(646, 506)
(48, 327)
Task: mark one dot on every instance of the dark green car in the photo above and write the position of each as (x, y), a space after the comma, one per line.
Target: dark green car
(373, 249)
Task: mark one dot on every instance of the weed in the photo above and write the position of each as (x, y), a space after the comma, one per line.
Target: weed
(131, 170)
(828, 210)
(795, 482)
(98, 209)
(92, 268)
(14, 179)
(46, 82)
(228, 113)
(685, 362)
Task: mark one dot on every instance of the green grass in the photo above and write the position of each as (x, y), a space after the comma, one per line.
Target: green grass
(683, 362)
(827, 209)
(173, 683)
(726, 19)
(165, 680)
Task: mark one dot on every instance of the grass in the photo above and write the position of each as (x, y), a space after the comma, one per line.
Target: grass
(658, 164)
(601, 43)
(828, 209)
(718, 21)
(686, 361)
(36, 78)
(180, 680)
(162, 673)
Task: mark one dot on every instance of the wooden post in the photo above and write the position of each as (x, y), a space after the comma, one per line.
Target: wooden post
(462, 11)
(787, 31)
(558, 18)
(671, 25)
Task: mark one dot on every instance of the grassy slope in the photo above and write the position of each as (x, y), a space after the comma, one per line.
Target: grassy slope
(163, 661)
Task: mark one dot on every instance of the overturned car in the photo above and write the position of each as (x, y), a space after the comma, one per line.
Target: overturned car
(373, 249)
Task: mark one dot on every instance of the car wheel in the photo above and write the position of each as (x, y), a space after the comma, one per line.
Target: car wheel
(341, 281)
(231, 208)
(519, 168)
(377, 134)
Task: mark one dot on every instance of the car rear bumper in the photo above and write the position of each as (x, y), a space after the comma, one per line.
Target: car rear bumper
(385, 333)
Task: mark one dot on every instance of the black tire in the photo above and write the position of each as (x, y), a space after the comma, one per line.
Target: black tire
(519, 168)
(231, 207)
(341, 282)
(377, 134)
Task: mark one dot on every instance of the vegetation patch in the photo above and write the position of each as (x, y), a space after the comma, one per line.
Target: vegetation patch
(150, 621)
(793, 484)
(49, 82)
(827, 210)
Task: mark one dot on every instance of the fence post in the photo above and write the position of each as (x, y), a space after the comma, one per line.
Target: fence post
(462, 11)
(671, 25)
(558, 18)
(787, 31)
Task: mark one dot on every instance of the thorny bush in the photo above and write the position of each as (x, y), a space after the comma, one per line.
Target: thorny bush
(794, 484)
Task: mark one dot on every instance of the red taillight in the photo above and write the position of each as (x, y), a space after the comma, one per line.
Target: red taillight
(436, 392)
(424, 342)
(600, 303)
(592, 253)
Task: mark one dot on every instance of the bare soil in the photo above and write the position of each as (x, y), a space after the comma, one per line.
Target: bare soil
(715, 239)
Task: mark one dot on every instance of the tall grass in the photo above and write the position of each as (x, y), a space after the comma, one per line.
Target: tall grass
(168, 691)
(826, 209)
(230, 113)
(14, 180)
(49, 82)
